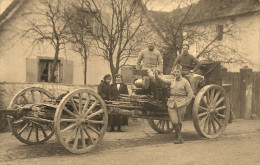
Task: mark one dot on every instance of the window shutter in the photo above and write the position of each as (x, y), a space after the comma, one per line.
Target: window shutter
(31, 70)
(67, 71)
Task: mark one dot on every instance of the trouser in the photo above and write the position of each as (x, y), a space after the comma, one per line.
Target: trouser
(177, 114)
(189, 77)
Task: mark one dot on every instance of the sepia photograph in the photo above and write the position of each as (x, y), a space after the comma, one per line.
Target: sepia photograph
(129, 82)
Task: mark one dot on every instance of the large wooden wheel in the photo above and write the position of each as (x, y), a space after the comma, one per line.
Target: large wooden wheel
(27, 131)
(80, 120)
(161, 126)
(211, 110)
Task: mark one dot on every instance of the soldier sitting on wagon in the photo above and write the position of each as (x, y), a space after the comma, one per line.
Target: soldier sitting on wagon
(180, 97)
(187, 61)
(152, 60)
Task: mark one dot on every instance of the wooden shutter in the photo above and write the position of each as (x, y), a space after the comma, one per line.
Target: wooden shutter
(31, 70)
(67, 72)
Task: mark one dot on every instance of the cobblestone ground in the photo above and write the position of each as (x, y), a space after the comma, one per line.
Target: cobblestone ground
(138, 136)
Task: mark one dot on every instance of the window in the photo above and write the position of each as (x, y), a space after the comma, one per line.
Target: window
(88, 19)
(38, 70)
(45, 70)
(220, 29)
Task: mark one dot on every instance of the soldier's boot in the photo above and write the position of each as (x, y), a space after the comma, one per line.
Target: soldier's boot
(178, 134)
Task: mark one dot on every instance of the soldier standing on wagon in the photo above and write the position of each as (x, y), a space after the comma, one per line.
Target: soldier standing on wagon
(180, 97)
(187, 61)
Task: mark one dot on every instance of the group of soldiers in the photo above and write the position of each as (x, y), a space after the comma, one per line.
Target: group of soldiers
(181, 89)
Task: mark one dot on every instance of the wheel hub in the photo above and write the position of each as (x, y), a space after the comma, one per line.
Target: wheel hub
(81, 119)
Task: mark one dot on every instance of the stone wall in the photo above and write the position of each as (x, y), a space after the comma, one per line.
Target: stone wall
(8, 90)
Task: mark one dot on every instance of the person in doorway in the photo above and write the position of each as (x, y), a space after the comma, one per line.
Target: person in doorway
(180, 97)
(117, 88)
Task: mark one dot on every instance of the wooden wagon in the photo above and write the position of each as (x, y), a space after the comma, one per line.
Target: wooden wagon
(79, 118)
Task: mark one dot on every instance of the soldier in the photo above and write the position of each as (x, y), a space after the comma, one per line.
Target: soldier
(180, 97)
(152, 60)
(187, 61)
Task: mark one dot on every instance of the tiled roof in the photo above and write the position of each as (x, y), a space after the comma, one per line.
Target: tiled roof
(212, 9)
(10, 10)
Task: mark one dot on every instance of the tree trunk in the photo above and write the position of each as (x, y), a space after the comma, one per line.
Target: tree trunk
(169, 57)
(85, 67)
(52, 77)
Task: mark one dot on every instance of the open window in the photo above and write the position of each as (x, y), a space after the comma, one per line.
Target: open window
(45, 70)
(38, 70)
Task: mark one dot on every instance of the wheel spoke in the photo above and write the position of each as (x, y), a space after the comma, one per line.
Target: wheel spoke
(220, 108)
(168, 125)
(216, 96)
(83, 138)
(69, 112)
(205, 124)
(96, 121)
(163, 123)
(212, 93)
(41, 96)
(207, 95)
(80, 103)
(91, 108)
(71, 135)
(93, 129)
(217, 121)
(221, 116)
(68, 120)
(205, 101)
(74, 105)
(30, 132)
(26, 99)
(75, 145)
(24, 127)
(86, 105)
(88, 134)
(33, 96)
(94, 114)
(43, 131)
(209, 126)
(219, 101)
(69, 127)
(36, 133)
(158, 124)
(202, 121)
(202, 114)
(205, 109)
(214, 126)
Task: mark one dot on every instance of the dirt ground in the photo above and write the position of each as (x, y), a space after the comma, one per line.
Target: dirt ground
(139, 144)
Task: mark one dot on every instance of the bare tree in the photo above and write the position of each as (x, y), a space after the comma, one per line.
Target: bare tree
(179, 27)
(117, 25)
(78, 34)
(46, 23)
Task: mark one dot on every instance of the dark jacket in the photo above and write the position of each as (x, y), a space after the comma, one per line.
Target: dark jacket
(103, 90)
(114, 92)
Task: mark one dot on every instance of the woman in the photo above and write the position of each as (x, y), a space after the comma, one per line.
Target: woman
(115, 90)
(103, 87)
(180, 97)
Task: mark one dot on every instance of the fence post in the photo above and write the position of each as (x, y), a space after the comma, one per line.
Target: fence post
(224, 74)
(246, 92)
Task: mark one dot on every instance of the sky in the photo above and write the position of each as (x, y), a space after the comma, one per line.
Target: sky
(168, 5)
(158, 5)
(4, 4)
